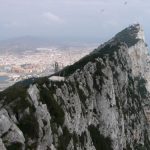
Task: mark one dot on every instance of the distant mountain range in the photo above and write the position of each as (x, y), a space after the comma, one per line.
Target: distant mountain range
(21, 44)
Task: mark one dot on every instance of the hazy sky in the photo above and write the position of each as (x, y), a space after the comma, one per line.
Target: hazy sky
(71, 19)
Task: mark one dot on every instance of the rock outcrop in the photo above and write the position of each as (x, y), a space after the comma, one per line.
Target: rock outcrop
(98, 103)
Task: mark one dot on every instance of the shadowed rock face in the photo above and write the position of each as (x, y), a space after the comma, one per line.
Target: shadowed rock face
(99, 105)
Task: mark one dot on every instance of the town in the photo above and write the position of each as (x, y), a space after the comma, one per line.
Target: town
(41, 62)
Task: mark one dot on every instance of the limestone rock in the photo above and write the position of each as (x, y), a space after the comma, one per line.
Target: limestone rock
(99, 103)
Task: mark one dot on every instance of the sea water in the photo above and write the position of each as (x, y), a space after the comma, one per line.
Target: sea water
(3, 79)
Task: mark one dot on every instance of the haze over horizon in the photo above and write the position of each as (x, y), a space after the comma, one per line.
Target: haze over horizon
(69, 20)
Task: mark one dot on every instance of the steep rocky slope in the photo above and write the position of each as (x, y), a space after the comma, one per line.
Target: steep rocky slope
(96, 104)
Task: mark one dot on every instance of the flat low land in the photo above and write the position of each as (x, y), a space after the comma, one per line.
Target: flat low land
(3, 74)
(40, 62)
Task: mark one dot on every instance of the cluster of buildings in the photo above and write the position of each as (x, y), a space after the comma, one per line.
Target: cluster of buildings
(38, 63)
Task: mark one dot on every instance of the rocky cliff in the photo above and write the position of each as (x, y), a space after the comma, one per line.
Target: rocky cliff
(99, 103)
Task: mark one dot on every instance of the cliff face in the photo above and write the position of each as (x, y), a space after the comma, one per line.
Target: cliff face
(96, 104)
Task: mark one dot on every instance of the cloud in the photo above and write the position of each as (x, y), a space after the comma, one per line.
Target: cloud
(11, 24)
(52, 17)
(71, 18)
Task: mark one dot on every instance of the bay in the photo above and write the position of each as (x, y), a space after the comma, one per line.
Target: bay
(3, 79)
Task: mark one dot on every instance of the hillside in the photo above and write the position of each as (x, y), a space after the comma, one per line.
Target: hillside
(99, 103)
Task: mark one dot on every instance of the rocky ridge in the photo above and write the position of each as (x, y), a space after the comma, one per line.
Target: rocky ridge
(99, 103)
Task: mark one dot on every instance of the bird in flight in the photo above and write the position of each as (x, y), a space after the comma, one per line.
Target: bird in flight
(125, 3)
(102, 10)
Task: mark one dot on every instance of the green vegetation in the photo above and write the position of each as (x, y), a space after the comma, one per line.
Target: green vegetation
(18, 95)
(29, 126)
(82, 96)
(82, 138)
(141, 87)
(106, 50)
(128, 147)
(57, 113)
(100, 76)
(14, 92)
(64, 139)
(140, 147)
(99, 141)
(15, 146)
(31, 146)
(127, 36)
(146, 140)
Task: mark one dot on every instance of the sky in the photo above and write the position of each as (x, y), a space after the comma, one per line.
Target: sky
(71, 20)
